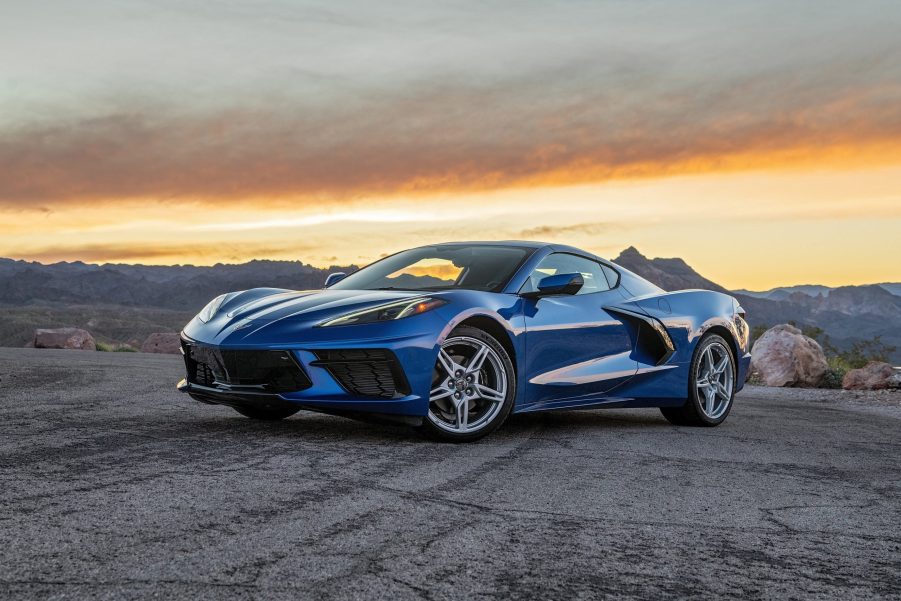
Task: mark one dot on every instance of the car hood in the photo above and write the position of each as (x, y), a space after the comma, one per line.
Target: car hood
(275, 317)
(267, 316)
(268, 305)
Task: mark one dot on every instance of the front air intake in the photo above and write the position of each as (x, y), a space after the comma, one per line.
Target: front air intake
(373, 373)
(243, 370)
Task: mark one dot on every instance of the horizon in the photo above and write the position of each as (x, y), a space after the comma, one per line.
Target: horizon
(761, 144)
(360, 266)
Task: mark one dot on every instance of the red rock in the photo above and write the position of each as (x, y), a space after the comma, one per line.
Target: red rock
(783, 356)
(162, 342)
(66, 338)
(875, 375)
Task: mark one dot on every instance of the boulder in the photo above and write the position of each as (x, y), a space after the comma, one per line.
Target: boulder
(875, 375)
(894, 381)
(162, 342)
(68, 338)
(783, 356)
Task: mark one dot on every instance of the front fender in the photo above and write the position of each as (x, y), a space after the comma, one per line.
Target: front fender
(504, 310)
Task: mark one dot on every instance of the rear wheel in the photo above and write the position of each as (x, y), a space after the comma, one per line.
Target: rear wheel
(265, 412)
(473, 387)
(711, 386)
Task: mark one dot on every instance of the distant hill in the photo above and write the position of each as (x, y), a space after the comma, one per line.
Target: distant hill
(179, 287)
(669, 274)
(784, 292)
(124, 303)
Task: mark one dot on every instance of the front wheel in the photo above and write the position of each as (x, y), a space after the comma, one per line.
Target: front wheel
(473, 387)
(711, 386)
(265, 412)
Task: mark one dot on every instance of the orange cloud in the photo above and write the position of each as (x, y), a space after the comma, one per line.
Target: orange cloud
(586, 229)
(155, 253)
(450, 138)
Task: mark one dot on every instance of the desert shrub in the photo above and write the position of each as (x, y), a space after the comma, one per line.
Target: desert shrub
(864, 351)
(757, 331)
(860, 353)
(108, 347)
(812, 331)
(834, 376)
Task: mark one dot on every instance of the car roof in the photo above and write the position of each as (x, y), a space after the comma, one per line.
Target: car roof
(524, 244)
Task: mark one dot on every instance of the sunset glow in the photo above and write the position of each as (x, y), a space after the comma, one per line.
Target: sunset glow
(761, 155)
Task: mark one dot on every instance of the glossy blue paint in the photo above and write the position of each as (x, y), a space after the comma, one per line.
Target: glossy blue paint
(574, 348)
(569, 351)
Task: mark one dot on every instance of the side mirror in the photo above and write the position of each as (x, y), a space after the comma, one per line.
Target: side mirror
(561, 283)
(334, 278)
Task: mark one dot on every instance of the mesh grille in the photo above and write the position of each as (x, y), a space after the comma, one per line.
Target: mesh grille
(365, 372)
(204, 375)
(269, 371)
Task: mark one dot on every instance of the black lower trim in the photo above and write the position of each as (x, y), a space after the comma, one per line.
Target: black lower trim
(220, 396)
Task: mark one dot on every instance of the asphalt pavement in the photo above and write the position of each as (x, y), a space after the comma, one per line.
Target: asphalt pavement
(115, 486)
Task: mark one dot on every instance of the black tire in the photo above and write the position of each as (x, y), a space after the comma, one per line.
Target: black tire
(692, 412)
(434, 432)
(265, 412)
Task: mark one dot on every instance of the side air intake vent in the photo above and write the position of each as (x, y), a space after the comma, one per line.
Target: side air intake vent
(654, 341)
(365, 372)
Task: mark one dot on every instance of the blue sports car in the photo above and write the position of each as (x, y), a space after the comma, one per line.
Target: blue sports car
(453, 338)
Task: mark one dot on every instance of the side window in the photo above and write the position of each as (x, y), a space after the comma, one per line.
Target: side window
(612, 275)
(592, 272)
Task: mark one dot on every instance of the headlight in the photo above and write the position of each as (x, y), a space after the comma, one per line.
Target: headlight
(209, 311)
(389, 312)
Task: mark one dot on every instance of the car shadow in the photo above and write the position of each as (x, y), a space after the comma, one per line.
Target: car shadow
(312, 425)
(588, 419)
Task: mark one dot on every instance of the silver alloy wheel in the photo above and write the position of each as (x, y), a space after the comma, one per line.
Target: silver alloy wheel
(469, 386)
(714, 379)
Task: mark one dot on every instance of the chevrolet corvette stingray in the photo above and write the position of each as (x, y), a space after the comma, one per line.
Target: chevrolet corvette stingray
(453, 338)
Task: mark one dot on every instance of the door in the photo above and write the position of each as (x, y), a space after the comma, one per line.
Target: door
(575, 350)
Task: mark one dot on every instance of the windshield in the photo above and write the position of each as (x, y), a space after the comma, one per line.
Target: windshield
(470, 267)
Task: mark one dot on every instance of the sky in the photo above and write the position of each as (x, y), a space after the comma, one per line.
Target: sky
(759, 141)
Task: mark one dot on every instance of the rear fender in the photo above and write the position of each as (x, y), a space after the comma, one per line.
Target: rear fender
(689, 314)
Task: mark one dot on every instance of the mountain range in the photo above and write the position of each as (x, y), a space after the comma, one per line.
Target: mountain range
(125, 303)
(783, 292)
